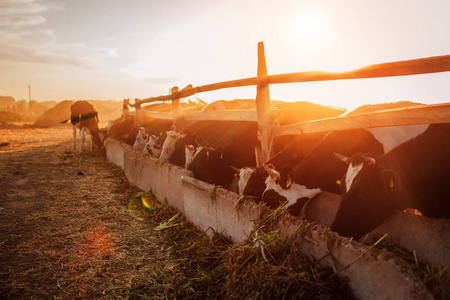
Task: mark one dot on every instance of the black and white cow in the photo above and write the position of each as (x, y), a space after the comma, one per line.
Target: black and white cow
(225, 144)
(251, 180)
(141, 139)
(321, 169)
(314, 162)
(123, 129)
(315, 166)
(210, 148)
(415, 175)
(281, 190)
(173, 150)
(84, 117)
(154, 145)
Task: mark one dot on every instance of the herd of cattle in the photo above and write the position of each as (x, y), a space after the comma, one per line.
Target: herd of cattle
(376, 170)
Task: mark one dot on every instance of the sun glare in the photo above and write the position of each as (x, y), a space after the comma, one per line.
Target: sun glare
(308, 26)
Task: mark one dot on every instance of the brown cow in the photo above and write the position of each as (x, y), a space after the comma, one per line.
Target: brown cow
(84, 116)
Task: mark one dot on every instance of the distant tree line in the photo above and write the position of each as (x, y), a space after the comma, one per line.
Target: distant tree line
(22, 110)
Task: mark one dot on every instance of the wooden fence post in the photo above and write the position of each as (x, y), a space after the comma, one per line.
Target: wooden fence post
(176, 109)
(263, 107)
(139, 118)
(125, 108)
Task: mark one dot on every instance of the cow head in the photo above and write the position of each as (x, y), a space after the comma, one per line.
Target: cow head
(141, 139)
(169, 144)
(282, 178)
(123, 129)
(97, 139)
(192, 152)
(189, 153)
(243, 175)
(252, 182)
(153, 146)
(281, 189)
(369, 193)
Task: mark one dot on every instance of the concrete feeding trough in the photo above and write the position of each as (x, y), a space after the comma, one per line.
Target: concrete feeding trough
(373, 274)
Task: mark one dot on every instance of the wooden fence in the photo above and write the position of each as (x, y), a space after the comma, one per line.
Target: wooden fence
(424, 114)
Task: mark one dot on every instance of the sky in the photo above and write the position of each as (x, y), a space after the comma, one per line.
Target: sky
(112, 50)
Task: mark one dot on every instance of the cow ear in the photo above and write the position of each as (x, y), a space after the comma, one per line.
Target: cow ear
(391, 180)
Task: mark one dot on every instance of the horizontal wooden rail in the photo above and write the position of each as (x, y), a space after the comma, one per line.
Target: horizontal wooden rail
(200, 89)
(158, 115)
(434, 64)
(413, 115)
(214, 115)
(223, 115)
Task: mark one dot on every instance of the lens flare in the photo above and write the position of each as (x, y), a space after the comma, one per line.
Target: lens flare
(137, 210)
(149, 201)
(140, 205)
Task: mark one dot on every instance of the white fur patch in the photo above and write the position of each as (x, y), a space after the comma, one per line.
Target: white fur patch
(169, 144)
(150, 147)
(189, 152)
(352, 171)
(141, 139)
(244, 175)
(294, 192)
(393, 136)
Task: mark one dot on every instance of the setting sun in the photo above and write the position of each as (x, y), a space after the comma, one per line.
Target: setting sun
(308, 26)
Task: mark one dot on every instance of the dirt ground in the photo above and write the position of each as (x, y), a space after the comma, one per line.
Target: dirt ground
(70, 228)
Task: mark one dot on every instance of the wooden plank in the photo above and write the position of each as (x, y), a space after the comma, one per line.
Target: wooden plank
(219, 115)
(263, 107)
(223, 115)
(139, 117)
(205, 88)
(176, 109)
(158, 115)
(414, 115)
(434, 64)
(125, 108)
(152, 99)
(439, 114)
